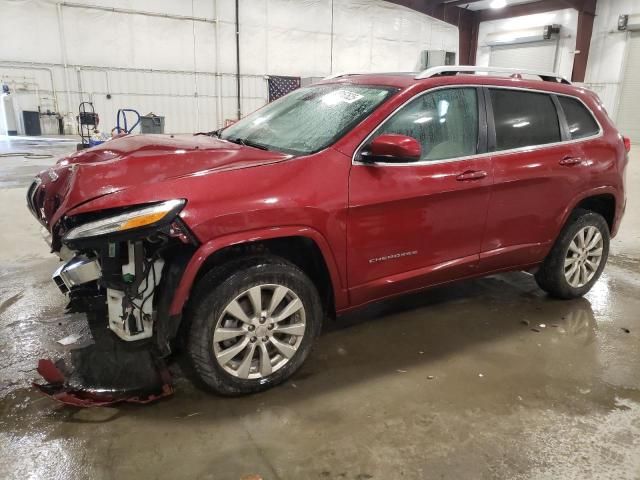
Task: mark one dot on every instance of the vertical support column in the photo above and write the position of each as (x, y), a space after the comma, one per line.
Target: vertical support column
(586, 15)
(467, 23)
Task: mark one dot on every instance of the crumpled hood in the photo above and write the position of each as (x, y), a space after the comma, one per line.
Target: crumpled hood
(136, 159)
(132, 161)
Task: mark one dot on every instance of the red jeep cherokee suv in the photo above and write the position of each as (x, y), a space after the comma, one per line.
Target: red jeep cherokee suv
(342, 193)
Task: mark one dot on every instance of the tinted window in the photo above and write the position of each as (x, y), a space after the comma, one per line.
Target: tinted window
(581, 122)
(524, 119)
(445, 122)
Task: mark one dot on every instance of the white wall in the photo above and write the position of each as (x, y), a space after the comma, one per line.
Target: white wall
(567, 18)
(608, 50)
(156, 64)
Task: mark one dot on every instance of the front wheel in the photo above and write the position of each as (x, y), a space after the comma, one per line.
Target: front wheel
(253, 324)
(577, 258)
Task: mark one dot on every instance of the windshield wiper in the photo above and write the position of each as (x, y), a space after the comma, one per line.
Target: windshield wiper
(248, 143)
(214, 133)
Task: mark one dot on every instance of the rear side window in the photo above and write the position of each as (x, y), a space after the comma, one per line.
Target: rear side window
(524, 119)
(581, 122)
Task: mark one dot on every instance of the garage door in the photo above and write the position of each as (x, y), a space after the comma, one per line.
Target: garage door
(539, 56)
(628, 113)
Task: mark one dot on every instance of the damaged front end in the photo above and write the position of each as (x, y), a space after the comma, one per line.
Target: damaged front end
(125, 255)
(128, 260)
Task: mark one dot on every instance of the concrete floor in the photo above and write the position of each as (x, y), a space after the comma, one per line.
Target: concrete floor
(450, 383)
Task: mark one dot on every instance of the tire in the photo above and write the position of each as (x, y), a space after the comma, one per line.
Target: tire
(224, 289)
(551, 275)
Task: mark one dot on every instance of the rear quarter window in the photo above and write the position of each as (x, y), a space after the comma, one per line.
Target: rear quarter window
(580, 121)
(524, 119)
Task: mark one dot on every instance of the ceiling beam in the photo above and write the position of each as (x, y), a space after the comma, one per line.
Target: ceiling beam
(459, 3)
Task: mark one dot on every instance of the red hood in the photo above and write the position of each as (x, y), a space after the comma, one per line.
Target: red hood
(135, 160)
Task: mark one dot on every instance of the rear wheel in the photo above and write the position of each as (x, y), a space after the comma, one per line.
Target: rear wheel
(577, 258)
(253, 324)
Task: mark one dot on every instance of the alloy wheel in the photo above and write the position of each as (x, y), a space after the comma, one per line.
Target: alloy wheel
(259, 331)
(583, 256)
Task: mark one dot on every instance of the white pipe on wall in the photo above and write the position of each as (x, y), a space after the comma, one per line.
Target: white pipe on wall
(219, 112)
(45, 69)
(63, 50)
(195, 69)
(128, 69)
(130, 11)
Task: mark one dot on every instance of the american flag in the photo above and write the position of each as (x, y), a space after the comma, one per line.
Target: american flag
(279, 86)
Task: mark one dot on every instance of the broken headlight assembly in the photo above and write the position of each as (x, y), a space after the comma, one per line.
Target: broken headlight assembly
(130, 221)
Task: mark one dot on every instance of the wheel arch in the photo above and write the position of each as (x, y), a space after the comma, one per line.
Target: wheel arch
(602, 200)
(301, 245)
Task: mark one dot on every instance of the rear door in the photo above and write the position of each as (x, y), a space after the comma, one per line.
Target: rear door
(414, 224)
(535, 177)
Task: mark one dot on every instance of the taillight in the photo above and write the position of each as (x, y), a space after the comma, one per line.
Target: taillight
(627, 143)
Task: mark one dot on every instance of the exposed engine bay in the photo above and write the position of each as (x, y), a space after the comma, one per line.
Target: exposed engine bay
(131, 281)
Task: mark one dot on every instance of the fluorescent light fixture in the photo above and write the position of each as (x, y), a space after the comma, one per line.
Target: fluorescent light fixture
(498, 4)
(521, 124)
(423, 120)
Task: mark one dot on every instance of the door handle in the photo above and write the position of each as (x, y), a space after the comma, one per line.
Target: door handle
(570, 161)
(471, 175)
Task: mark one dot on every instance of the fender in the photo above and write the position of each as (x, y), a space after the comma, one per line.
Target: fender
(607, 189)
(207, 249)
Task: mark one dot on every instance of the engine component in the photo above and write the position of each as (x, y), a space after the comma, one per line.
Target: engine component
(131, 314)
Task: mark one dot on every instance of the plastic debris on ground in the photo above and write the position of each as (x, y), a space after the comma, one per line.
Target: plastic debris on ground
(106, 372)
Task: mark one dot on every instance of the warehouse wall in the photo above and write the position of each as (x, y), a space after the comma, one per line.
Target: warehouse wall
(183, 65)
(605, 66)
(567, 18)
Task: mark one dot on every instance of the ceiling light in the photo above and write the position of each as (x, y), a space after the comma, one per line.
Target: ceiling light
(498, 4)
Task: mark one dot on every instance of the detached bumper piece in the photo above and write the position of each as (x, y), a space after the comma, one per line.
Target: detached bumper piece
(77, 271)
(106, 373)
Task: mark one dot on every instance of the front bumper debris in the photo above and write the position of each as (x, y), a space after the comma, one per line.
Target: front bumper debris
(77, 271)
(105, 373)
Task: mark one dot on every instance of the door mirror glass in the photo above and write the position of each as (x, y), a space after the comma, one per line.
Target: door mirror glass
(392, 148)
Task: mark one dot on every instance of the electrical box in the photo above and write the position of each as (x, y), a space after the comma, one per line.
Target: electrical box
(632, 22)
(436, 58)
(151, 123)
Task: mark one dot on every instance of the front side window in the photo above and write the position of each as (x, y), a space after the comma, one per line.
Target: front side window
(524, 119)
(445, 122)
(580, 121)
(308, 119)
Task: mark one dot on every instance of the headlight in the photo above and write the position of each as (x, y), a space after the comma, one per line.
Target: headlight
(140, 217)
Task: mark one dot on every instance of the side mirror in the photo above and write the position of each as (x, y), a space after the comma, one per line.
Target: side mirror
(392, 148)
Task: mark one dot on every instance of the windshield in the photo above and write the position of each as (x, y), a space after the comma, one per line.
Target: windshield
(308, 119)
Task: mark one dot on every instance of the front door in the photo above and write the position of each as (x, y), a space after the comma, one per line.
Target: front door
(415, 224)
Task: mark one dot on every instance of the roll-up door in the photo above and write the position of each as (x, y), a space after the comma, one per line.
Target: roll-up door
(628, 118)
(539, 56)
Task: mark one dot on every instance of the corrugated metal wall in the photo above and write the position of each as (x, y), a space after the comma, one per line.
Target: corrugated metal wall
(182, 65)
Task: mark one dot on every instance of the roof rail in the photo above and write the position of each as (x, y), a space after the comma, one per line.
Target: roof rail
(345, 74)
(454, 69)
